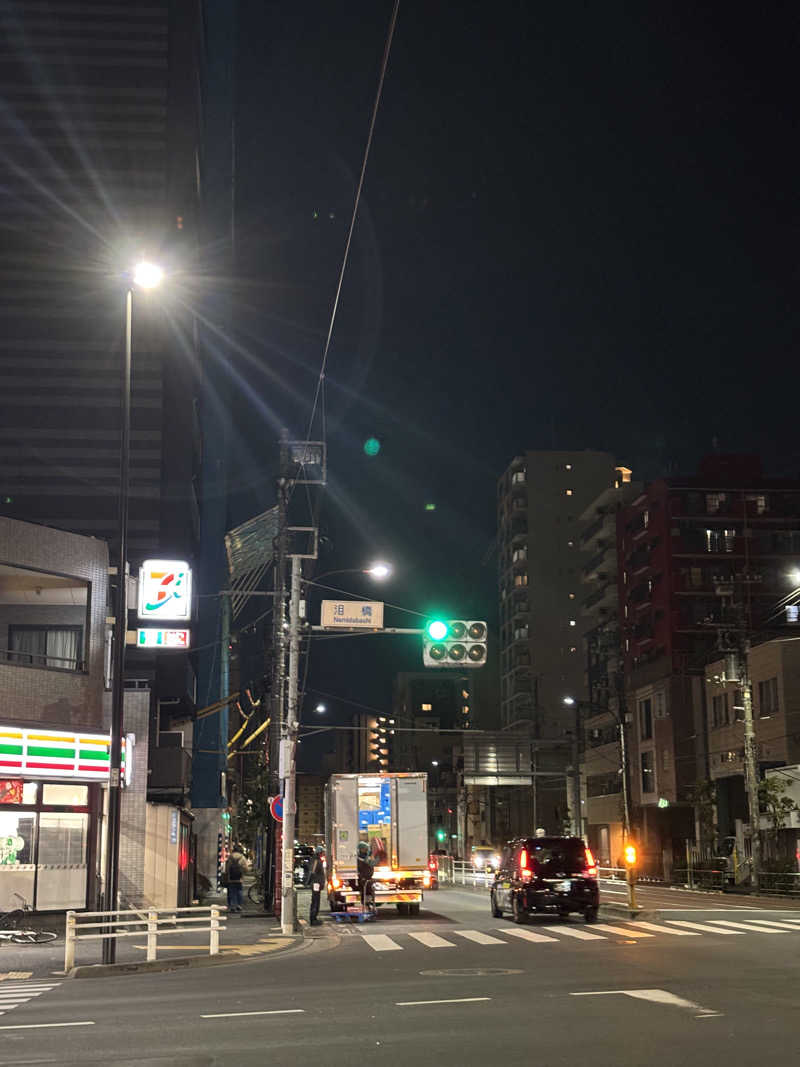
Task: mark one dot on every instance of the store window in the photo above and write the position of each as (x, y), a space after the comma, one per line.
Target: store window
(73, 796)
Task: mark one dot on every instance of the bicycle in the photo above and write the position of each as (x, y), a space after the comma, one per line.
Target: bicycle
(10, 927)
(256, 891)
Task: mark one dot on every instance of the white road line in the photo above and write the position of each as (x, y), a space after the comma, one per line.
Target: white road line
(382, 943)
(656, 996)
(43, 1026)
(702, 927)
(26, 988)
(772, 922)
(480, 938)
(571, 931)
(432, 940)
(238, 1014)
(455, 1000)
(619, 930)
(663, 929)
(528, 935)
(743, 926)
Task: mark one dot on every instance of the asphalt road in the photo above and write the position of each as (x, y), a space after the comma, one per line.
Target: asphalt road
(453, 986)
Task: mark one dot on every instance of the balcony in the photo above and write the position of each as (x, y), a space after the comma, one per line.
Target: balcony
(602, 529)
(604, 561)
(604, 598)
(170, 774)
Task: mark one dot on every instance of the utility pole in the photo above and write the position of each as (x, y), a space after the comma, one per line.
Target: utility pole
(278, 661)
(577, 820)
(289, 750)
(750, 764)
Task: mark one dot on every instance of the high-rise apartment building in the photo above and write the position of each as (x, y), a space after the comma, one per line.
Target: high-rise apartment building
(540, 499)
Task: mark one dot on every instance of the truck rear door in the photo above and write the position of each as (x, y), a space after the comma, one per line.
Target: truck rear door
(344, 823)
(410, 822)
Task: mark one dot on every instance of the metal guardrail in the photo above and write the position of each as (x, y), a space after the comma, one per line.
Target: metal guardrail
(152, 922)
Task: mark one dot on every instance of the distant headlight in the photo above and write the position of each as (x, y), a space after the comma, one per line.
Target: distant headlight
(478, 861)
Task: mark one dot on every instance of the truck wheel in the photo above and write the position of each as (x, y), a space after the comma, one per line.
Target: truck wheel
(402, 909)
(497, 913)
(413, 909)
(591, 915)
(517, 911)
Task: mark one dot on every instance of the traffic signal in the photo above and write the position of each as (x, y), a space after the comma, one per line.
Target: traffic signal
(454, 643)
(630, 855)
(441, 835)
(380, 742)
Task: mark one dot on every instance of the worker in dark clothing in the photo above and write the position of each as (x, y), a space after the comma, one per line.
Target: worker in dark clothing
(316, 879)
(365, 871)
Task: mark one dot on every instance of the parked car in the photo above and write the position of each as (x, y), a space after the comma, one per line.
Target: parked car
(545, 874)
(303, 854)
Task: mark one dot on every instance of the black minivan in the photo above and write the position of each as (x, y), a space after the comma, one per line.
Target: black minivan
(545, 874)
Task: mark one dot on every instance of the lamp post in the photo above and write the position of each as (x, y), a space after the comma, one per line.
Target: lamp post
(145, 276)
(623, 754)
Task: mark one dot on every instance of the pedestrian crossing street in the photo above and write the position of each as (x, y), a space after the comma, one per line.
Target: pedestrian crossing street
(564, 933)
(12, 994)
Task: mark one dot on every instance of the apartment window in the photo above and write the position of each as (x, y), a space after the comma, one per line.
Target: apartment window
(729, 540)
(645, 719)
(665, 760)
(573, 648)
(648, 772)
(40, 646)
(570, 544)
(426, 707)
(520, 579)
(759, 501)
(572, 622)
(518, 478)
(660, 705)
(719, 710)
(568, 492)
(572, 596)
(714, 502)
(567, 466)
(712, 540)
(768, 698)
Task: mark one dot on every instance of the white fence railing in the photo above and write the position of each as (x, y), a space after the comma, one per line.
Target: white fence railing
(149, 922)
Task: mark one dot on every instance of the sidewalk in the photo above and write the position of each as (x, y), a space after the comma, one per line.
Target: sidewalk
(245, 936)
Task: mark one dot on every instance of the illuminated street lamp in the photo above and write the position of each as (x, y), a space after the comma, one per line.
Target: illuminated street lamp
(321, 709)
(144, 276)
(379, 570)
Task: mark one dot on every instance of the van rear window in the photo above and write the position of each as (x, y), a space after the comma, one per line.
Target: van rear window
(554, 856)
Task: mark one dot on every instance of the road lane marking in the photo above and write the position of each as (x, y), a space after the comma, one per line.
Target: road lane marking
(432, 940)
(622, 931)
(382, 943)
(743, 926)
(772, 922)
(570, 931)
(702, 927)
(480, 938)
(528, 935)
(656, 996)
(43, 1026)
(238, 1014)
(663, 929)
(454, 1000)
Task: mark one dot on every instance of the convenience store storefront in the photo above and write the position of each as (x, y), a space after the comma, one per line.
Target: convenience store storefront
(51, 802)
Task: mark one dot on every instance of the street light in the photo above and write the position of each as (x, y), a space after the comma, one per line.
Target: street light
(569, 701)
(144, 275)
(321, 709)
(379, 570)
(794, 576)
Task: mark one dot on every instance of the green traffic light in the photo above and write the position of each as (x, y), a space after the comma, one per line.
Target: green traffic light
(372, 446)
(437, 630)
(440, 835)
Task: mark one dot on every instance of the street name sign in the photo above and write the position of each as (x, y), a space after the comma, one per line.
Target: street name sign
(352, 615)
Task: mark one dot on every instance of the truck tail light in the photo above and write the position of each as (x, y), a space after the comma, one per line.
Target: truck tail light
(591, 864)
(432, 865)
(335, 883)
(426, 880)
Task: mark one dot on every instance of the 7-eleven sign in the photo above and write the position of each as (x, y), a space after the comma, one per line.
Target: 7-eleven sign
(165, 590)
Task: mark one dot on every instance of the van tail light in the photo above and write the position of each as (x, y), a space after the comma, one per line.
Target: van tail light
(591, 864)
(524, 870)
(426, 880)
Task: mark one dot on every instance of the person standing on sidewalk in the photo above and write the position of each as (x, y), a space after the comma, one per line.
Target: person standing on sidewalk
(235, 867)
(316, 879)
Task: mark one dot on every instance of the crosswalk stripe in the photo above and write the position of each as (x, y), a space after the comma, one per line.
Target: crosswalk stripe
(620, 930)
(571, 931)
(743, 926)
(432, 940)
(382, 943)
(702, 927)
(663, 929)
(773, 922)
(480, 938)
(527, 935)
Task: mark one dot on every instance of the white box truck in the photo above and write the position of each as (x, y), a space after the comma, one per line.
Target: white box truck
(389, 813)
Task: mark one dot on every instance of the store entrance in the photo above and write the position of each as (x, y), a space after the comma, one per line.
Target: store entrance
(44, 844)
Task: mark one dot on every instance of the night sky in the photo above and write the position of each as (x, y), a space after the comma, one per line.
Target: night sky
(578, 230)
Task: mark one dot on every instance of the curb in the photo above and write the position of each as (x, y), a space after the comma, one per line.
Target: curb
(611, 910)
(178, 963)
